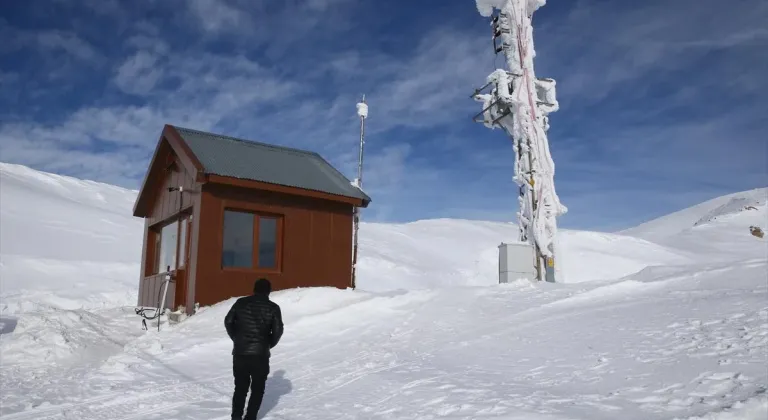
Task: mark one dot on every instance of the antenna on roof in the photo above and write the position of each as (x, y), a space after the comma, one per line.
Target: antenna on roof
(362, 112)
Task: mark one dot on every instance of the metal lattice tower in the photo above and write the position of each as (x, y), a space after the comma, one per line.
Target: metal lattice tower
(519, 103)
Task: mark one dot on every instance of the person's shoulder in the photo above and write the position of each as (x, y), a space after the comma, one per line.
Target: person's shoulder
(274, 305)
(240, 302)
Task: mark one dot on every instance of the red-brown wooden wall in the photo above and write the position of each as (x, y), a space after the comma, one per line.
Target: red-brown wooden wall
(316, 243)
(165, 208)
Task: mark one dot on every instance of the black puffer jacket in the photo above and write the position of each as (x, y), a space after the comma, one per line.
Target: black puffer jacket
(255, 325)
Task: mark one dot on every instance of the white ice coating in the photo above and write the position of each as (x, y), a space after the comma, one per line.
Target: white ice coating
(518, 89)
(362, 109)
(485, 7)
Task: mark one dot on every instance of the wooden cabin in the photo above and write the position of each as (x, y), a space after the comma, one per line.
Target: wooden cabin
(220, 212)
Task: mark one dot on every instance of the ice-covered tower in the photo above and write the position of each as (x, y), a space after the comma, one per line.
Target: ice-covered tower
(519, 103)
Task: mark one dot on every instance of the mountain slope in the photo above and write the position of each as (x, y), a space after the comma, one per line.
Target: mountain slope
(715, 209)
(718, 229)
(65, 242)
(643, 331)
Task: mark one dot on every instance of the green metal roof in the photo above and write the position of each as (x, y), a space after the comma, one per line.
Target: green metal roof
(245, 159)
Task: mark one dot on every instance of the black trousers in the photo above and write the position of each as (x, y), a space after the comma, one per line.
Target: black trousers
(250, 372)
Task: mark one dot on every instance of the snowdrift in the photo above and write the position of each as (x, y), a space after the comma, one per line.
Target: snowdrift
(673, 327)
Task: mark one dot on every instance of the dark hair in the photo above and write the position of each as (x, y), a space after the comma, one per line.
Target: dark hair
(262, 286)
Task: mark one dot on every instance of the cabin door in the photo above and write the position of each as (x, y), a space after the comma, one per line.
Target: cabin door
(182, 271)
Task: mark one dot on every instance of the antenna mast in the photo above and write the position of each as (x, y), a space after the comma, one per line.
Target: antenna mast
(519, 104)
(362, 112)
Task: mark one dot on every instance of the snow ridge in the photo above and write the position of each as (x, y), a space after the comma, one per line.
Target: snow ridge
(682, 220)
(733, 205)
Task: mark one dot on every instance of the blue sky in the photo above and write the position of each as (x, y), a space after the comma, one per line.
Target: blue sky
(662, 104)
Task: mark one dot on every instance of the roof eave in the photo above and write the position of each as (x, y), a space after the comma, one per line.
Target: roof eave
(141, 197)
(181, 148)
(285, 189)
(365, 201)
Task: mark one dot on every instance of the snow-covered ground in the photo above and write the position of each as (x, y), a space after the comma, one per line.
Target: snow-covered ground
(668, 320)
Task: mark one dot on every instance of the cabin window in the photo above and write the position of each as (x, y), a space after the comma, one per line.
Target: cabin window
(183, 242)
(250, 240)
(267, 242)
(165, 246)
(155, 261)
(167, 251)
(238, 239)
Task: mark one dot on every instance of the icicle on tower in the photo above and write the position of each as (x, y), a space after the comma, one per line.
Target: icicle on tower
(519, 103)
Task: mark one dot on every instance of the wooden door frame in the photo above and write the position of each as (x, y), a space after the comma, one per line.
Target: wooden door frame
(182, 272)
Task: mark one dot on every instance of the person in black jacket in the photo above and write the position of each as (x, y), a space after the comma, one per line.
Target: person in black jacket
(255, 325)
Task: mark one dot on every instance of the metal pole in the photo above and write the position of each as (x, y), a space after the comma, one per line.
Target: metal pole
(363, 115)
(534, 206)
(180, 189)
(362, 112)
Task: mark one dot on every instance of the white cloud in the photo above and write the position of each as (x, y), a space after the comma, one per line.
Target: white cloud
(217, 15)
(198, 91)
(301, 97)
(139, 73)
(68, 42)
(422, 88)
(147, 40)
(102, 7)
(46, 42)
(600, 48)
(47, 153)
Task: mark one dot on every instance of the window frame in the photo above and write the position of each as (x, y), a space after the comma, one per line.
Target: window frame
(181, 248)
(159, 267)
(279, 241)
(182, 251)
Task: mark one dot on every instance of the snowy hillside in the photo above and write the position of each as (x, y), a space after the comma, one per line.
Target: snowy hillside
(65, 242)
(669, 323)
(71, 244)
(449, 252)
(717, 209)
(715, 229)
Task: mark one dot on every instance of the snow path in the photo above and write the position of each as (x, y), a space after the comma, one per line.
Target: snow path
(562, 352)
